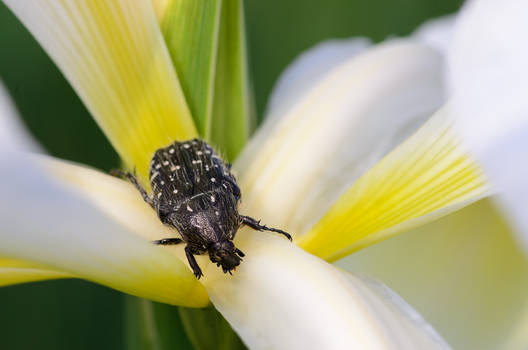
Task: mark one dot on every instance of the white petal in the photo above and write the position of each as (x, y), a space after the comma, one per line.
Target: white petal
(50, 224)
(437, 32)
(463, 273)
(489, 79)
(307, 70)
(296, 167)
(13, 134)
(284, 298)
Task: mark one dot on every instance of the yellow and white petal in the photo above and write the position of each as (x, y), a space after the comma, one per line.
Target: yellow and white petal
(464, 273)
(53, 225)
(114, 56)
(488, 75)
(426, 177)
(284, 298)
(14, 271)
(299, 164)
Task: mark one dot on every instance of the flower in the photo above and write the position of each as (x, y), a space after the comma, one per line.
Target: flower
(313, 168)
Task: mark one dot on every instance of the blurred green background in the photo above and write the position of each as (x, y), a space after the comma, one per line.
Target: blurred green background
(72, 314)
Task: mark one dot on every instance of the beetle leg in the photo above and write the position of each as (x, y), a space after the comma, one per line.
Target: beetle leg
(239, 253)
(133, 179)
(192, 262)
(168, 241)
(254, 224)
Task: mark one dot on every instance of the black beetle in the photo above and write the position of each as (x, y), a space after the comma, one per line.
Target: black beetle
(194, 191)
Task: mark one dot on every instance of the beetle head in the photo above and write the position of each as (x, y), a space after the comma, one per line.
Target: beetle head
(226, 255)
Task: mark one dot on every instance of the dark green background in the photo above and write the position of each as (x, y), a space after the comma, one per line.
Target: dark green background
(74, 314)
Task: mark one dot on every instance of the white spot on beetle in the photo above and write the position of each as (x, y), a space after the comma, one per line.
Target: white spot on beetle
(158, 166)
(189, 208)
(213, 179)
(154, 175)
(186, 146)
(166, 163)
(199, 153)
(175, 191)
(213, 199)
(217, 213)
(162, 183)
(171, 151)
(159, 195)
(178, 167)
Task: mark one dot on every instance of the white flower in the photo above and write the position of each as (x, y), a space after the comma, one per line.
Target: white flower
(347, 157)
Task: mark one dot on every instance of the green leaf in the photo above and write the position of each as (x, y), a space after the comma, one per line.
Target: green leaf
(207, 44)
(208, 330)
(153, 326)
(190, 29)
(233, 108)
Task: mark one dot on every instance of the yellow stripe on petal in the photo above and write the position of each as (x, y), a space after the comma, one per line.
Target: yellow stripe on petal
(18, 271)
(427, 176)
(114, 56)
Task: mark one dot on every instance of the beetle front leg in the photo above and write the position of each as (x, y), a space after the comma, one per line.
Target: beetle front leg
(168, 241)
(192, 262)
(254, 224)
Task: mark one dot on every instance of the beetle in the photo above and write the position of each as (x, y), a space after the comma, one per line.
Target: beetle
(195, 192)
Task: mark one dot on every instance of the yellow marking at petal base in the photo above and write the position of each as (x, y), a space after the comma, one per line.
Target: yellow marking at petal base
(18, 271)
(427, 176)
(115, 57)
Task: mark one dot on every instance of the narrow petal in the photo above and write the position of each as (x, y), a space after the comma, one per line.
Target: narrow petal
(13, 134)
(299, 164)
(50, 224)
(284, 298)
(489, 79)
(464, 273)
(17, 271)
(426, 177)
(114, 56)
